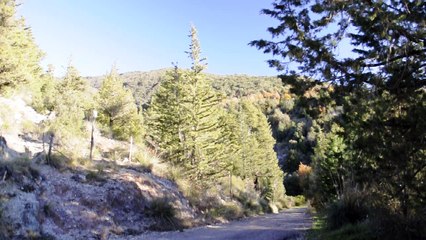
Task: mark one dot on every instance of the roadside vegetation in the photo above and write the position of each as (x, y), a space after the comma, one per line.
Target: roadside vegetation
(364, 129)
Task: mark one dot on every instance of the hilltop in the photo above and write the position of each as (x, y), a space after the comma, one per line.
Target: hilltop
(144, 83)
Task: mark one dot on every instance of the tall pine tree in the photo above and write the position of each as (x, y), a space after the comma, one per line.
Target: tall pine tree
(19, 55)
(184, 120)
(255, 160)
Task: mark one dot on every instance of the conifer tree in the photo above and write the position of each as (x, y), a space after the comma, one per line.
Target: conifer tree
(381, 84)
(165, 117)
(71, 103)
(19, 55)
(256, 160)
(44, 94)
(118, 109)
(184, 119)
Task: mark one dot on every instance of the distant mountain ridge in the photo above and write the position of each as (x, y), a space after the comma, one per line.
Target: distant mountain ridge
(144, 83)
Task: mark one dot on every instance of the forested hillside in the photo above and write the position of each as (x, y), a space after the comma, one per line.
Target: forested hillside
(144, 84)
(115, 156)
(186, 147)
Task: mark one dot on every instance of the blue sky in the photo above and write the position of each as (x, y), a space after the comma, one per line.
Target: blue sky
(148, 34)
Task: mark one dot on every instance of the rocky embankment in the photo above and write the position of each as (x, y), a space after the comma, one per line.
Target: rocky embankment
(38, 201)
(110, 198)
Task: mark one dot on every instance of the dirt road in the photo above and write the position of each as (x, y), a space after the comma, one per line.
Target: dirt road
(290, 224)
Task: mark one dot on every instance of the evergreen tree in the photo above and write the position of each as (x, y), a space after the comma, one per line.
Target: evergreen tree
(117, 109)
(256, 160)
(330, 166)
(19, 55)
(71, 104)
(44, 92)
(381, 84)
(184, 120)
(165, 117)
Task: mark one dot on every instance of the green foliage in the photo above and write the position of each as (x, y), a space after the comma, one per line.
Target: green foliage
(351, 208)
(59, 161)
(380, 144)
(117, 109)
(299, 200)
(361, 231)
(228, 211)
(144, 84)
(280, 123)
(255, 158)
(165, 214)
(184, 120)
(385, 136)
(389, 224)
(71, 103)
(144, 159)
(292, 184)
(330, 166)
(44, 93)
(19, 55)
(16, 168)
(95, 176)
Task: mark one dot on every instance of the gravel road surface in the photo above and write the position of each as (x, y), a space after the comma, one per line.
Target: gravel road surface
(289, 224)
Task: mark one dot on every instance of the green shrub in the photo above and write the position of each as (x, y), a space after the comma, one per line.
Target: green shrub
(287, 105)
(144, 159)
(163, 211)
(18, 167)
(299, 200)
(59, 161)
(389, 224)
(292, 184)
(351, 208)
(95, 176)
(361, 231)
(229, 211)
(117, 154)
(162, 208)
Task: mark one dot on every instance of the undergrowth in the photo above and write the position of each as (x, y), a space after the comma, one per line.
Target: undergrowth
(165, 214)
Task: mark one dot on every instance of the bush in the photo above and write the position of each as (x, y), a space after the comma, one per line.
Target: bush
(299, 200)
(144, 158)
(95, 176)
(162, 210)
(392, 225)
(351, 208)
(17, 168)
(229, 211)
(361, 231)
(292, 184)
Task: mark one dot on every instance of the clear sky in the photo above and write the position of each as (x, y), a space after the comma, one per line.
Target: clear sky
(148, 34)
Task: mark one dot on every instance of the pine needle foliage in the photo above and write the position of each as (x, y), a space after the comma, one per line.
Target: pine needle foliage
(19, 55)
(118, 110)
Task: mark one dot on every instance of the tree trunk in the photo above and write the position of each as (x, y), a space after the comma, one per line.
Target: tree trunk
(49, 153)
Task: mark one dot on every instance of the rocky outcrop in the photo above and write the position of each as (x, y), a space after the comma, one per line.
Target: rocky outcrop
(38, 201)
(85, 205)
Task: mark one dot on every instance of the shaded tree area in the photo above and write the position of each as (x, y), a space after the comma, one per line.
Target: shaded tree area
(376, 145)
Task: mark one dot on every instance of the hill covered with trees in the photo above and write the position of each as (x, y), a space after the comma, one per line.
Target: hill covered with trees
(187, 147)
(179, 141)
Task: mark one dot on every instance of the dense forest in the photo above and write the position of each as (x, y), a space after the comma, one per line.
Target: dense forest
(348, 135)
